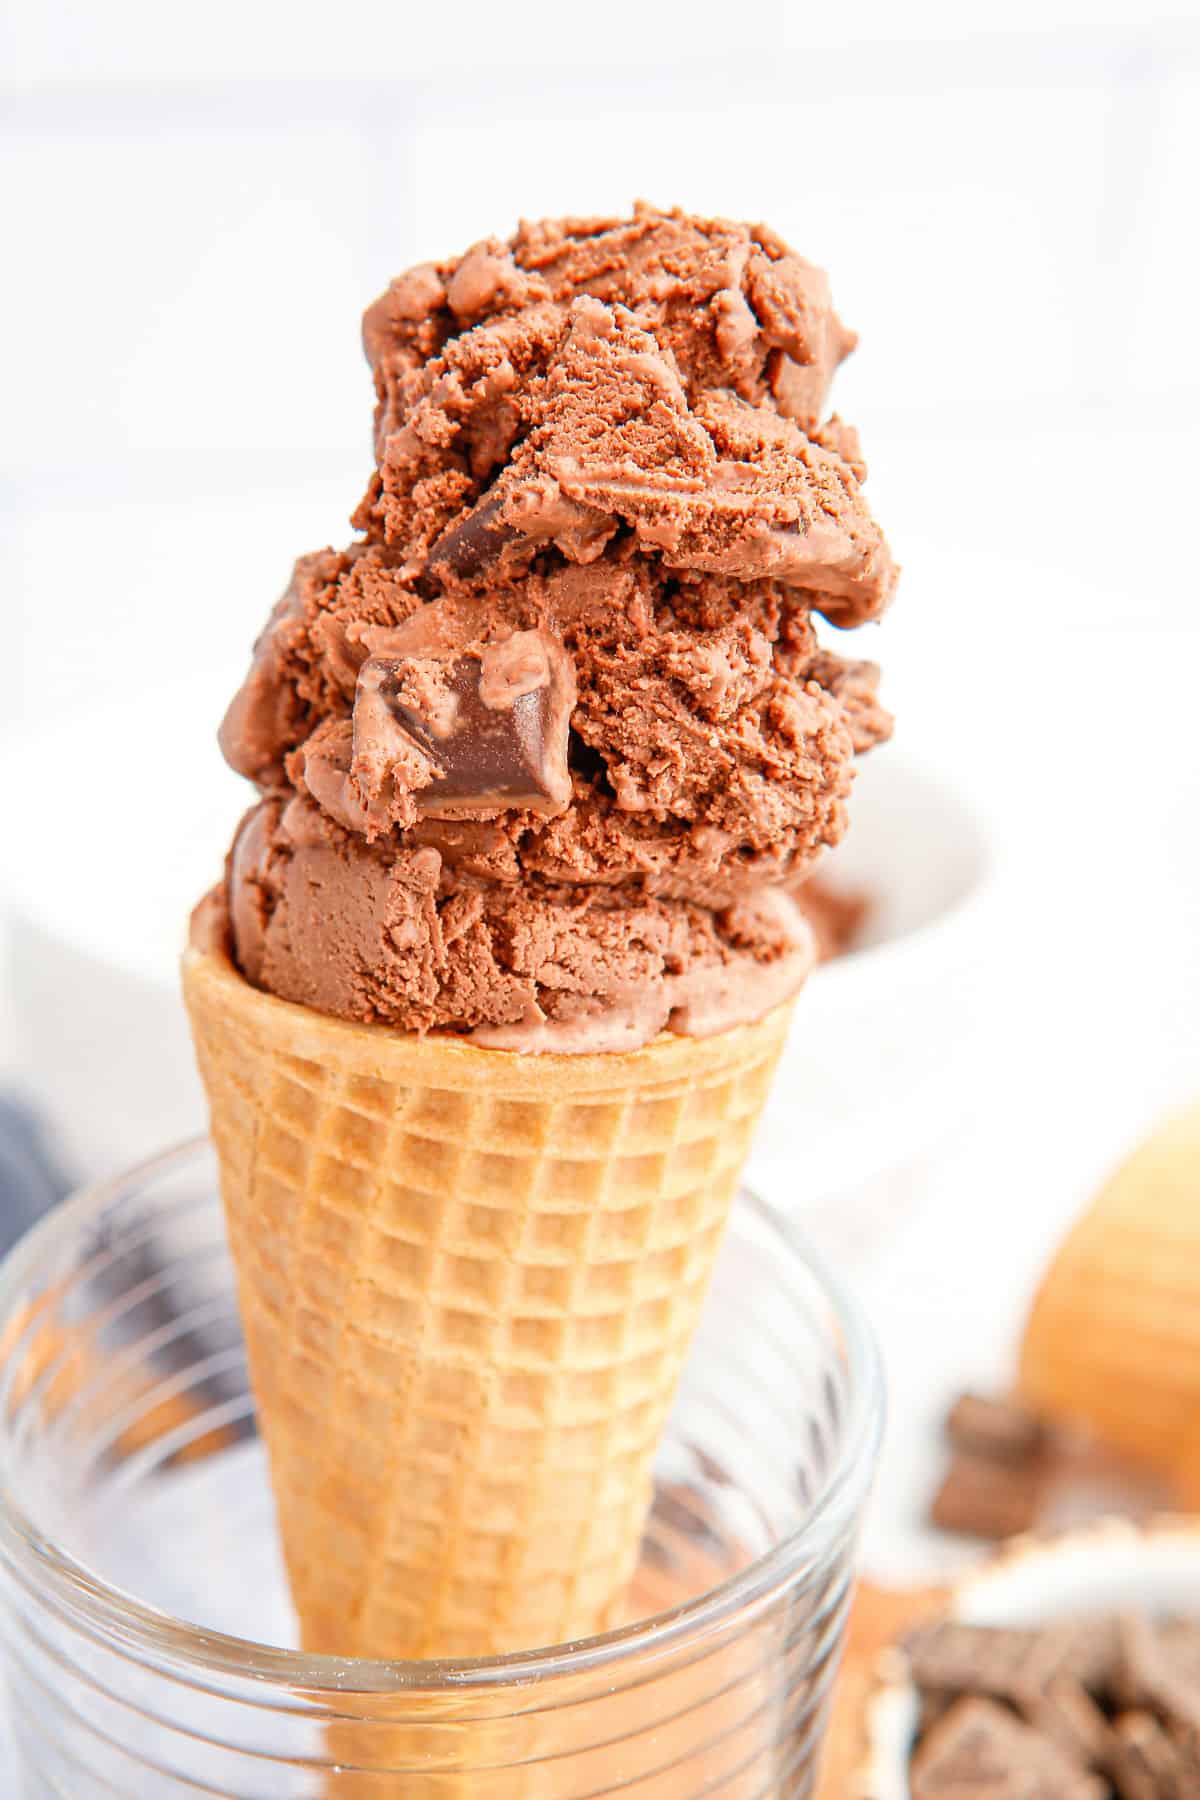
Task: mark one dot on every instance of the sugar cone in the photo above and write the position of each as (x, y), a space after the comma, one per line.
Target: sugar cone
(1187, 1466)
(1113, 1339)
(468, 1281)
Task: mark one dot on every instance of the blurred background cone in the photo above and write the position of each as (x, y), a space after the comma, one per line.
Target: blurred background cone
(468, 1281)
(1113, 1339)
(1187, 1465)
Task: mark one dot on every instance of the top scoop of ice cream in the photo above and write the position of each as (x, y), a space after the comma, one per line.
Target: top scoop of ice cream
(543, 750)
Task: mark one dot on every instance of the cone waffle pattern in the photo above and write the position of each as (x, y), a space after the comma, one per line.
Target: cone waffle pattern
(1114, 1335)
(468, 1281)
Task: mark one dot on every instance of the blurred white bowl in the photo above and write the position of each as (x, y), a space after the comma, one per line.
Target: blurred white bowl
(879, 1061)
(131, 814)
(1109, 1567)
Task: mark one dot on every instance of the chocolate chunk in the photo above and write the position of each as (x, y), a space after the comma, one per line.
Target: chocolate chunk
(1008, 1664)
(1091, 1652)
(1147, 1764)
(1180, 1640)
(1058, 1477)
(980, 1749)
(1151, 1678)
(1003, 1430)
(466, 734)
(986, 1499)
(1187, 1742)
(1065, 1712)
(952, 1658)
(473, 542)
(934, 1706)
(1064, 1683)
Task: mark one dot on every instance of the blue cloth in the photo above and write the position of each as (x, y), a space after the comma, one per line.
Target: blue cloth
(30, 1183)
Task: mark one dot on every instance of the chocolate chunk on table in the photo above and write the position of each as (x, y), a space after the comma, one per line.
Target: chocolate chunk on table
(998, 1429)
(1012, 1473)
(986, 1499)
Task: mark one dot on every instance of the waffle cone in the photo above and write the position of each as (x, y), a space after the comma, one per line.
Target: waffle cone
(1187, 1466)
(1113, 1338)
(468, 1280)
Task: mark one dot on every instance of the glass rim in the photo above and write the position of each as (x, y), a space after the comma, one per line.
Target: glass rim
(118, 1614)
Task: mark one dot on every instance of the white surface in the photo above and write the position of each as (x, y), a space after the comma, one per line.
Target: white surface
(1002, 193)
(884, 1044)
(1093, 781)
(133, 42)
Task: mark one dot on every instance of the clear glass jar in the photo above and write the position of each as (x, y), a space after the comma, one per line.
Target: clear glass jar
(147, 1628)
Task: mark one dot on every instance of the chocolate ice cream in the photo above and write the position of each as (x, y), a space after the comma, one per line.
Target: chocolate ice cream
(544, 754)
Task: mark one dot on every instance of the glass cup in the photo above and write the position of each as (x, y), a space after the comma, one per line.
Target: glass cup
(149, 1642)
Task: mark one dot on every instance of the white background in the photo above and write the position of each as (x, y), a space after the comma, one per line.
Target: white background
(196, 210)
(198, 205)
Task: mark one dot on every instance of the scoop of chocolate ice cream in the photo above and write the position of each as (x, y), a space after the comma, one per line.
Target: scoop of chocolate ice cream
(544, 752)
(421, 942)
(660, 378)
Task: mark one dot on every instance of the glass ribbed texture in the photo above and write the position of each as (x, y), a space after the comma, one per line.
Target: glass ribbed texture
(147, 1628)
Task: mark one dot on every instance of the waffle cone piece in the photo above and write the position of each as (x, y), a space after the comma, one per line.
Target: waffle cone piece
(1114, 1335)
(468, 1280)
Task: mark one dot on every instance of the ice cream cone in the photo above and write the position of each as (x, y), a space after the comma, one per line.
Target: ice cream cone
(468, 1281)
(1113, 1339)
(1187, 1465)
